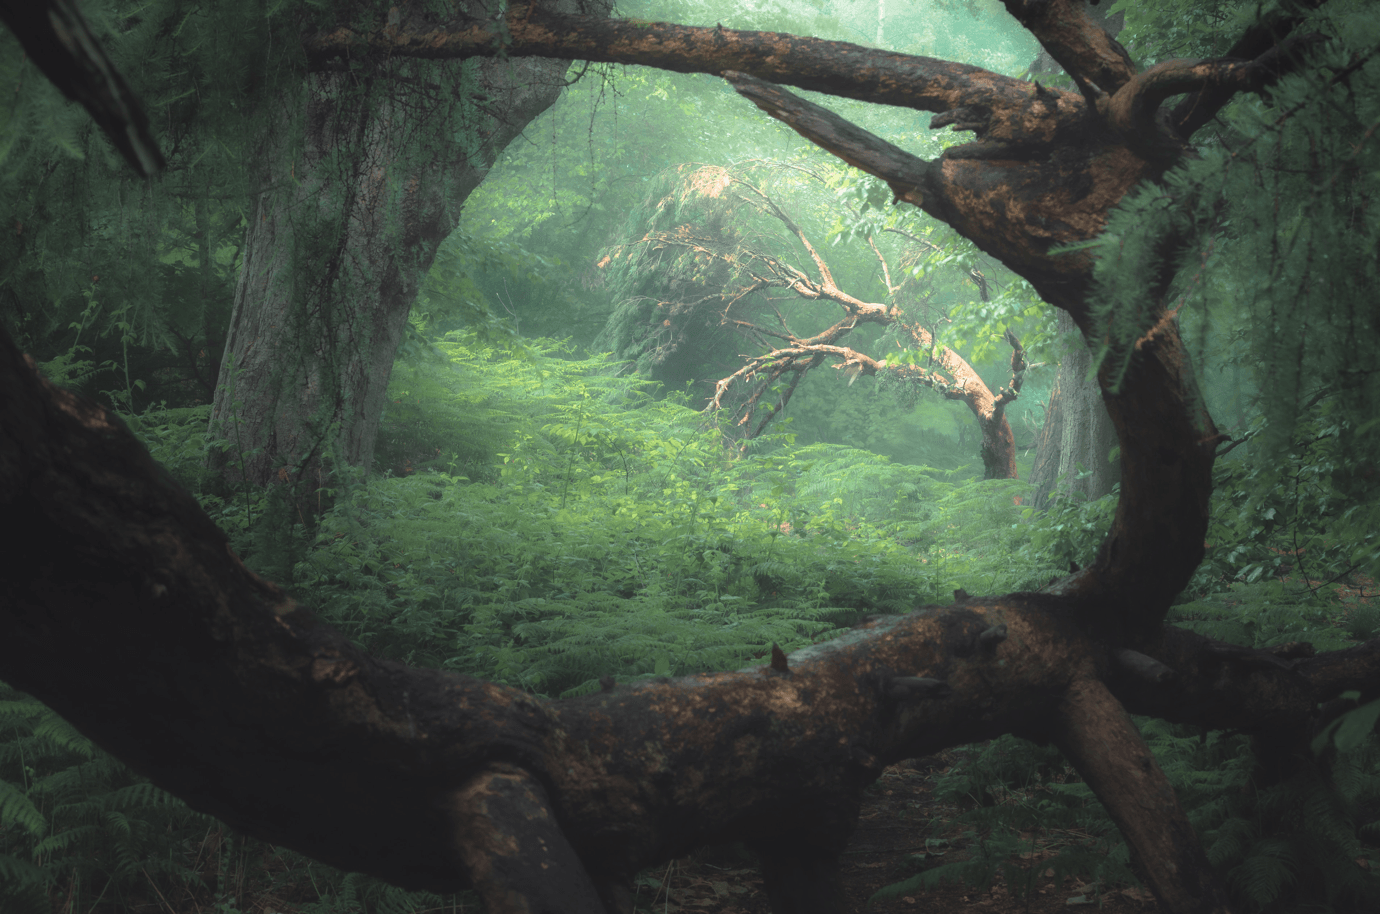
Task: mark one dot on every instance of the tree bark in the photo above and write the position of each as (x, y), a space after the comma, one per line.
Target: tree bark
(353, 203)
(123, 608)
(1072, 459)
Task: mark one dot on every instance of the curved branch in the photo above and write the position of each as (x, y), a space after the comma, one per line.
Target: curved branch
(1256, 44)
(123, 609)
(1134, 110)
(1076, 42)
(834, 67)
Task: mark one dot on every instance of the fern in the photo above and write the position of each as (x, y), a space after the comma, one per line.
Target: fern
(16, 809)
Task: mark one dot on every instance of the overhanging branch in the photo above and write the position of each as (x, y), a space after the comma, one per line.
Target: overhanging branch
(1134, 110)
(1076, 42)
(907, 175)
(1255, 44)
(528, 30)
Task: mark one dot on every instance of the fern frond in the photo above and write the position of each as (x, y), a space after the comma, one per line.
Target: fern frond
(17, 809)
(142, 794)
(60, 733)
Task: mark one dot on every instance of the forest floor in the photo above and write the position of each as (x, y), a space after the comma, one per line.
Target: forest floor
(899, 815)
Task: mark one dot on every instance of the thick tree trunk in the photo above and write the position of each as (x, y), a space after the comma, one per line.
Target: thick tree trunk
(359, 188)
(1077, 439)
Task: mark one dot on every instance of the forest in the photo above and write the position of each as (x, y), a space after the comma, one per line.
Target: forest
(793, 456)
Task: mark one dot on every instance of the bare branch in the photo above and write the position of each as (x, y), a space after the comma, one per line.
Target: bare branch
(785, 397)
(771, 207)
(916, 238)
(886, 272)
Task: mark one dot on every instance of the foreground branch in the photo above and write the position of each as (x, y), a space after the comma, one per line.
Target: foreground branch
(123, 608)
(528, 30)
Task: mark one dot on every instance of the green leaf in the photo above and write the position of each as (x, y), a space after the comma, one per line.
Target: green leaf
(1350, 730)
(17, 809)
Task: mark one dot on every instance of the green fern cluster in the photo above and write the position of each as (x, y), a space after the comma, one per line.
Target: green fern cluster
(1307, 844)
(74, 820)
(597, 531)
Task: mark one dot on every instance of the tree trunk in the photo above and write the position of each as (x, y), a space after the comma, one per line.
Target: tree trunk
(344, 228)
(1077, 438)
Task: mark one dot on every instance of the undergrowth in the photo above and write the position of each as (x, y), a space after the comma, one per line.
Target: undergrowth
(543, 521)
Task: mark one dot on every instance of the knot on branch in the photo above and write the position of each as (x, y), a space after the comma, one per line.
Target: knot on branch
(965, 117)
(778, 659)
(988, 640)
(916, 688)
(1143, 667)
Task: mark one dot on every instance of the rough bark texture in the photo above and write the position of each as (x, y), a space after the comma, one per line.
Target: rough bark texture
(1077, 438)
(123, 608)
(352, 209)
(1111, 23)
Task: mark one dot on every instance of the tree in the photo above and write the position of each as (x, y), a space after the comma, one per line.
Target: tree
(122, 607)
(697, 266)
(359, 178)
(1071, 456)
(1075, 444)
